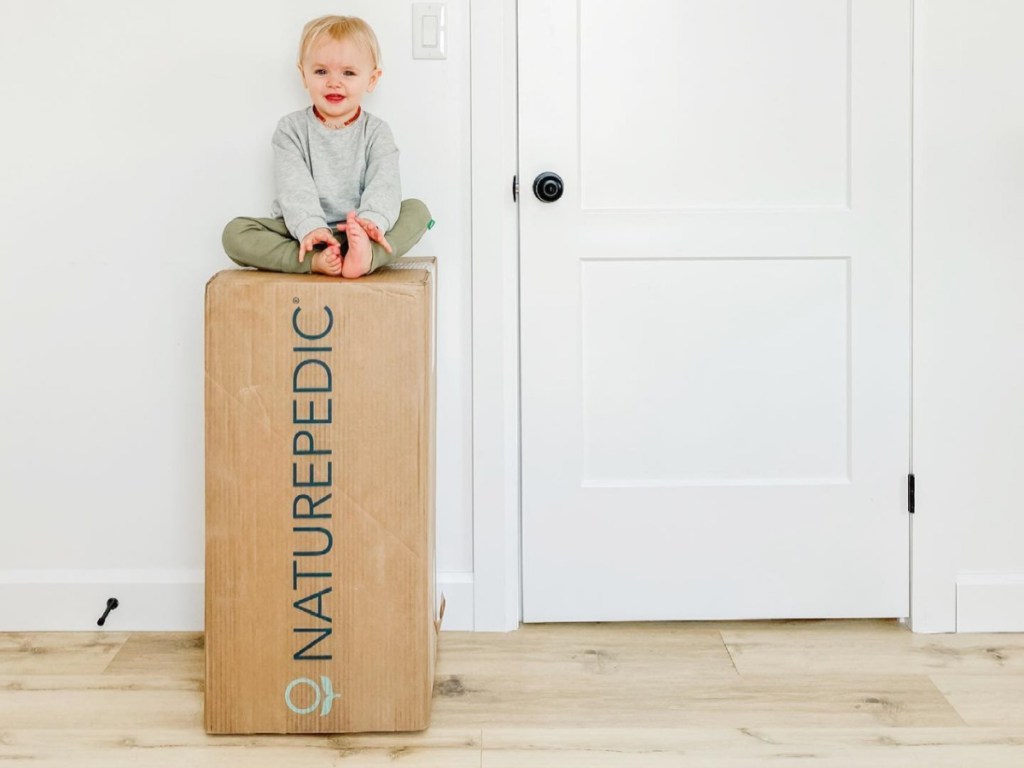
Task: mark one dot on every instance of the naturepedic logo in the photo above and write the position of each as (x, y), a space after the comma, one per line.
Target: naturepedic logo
(321, 693)
(312, 473)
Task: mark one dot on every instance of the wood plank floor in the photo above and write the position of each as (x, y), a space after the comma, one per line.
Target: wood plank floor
(723, 694)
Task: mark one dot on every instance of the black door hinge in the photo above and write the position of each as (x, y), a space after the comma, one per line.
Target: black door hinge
(910, 494)
(515, 189)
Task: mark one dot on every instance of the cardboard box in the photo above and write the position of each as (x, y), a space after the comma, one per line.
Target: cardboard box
(320, 614)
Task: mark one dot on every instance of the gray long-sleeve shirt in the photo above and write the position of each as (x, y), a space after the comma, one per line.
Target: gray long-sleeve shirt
(323, 173)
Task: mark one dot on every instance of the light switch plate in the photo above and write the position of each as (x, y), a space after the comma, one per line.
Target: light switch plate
(429, 31)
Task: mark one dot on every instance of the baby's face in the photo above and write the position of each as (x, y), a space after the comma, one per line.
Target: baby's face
(337, 74)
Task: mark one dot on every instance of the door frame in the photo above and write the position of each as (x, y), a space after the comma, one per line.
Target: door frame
(497, 599)
(497, 559)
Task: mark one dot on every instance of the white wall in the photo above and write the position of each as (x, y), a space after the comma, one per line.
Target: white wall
(131, 133)
(968, 316)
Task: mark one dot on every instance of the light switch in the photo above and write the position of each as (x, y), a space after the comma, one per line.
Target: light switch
(429, 31)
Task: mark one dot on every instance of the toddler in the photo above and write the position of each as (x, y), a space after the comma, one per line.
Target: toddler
(335, 169)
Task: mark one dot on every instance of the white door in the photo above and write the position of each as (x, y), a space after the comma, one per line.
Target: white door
(716, 312)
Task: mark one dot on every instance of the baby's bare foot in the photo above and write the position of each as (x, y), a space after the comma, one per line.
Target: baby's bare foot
(360, 255)
(326, 262)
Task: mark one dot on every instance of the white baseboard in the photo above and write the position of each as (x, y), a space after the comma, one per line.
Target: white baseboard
(990, 602)
(149, 600)
(457, 589)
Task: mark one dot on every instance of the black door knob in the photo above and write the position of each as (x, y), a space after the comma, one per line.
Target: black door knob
(548, 187)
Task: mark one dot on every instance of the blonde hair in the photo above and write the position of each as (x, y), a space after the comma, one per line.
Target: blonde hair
(340, 28)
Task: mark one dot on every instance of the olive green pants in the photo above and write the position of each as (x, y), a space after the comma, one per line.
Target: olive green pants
(267, 244)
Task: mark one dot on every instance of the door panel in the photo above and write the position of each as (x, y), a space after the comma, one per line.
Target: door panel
(702, 371)
(714, 104)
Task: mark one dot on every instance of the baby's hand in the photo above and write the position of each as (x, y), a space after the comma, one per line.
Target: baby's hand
(373, 231)
(322, 235)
